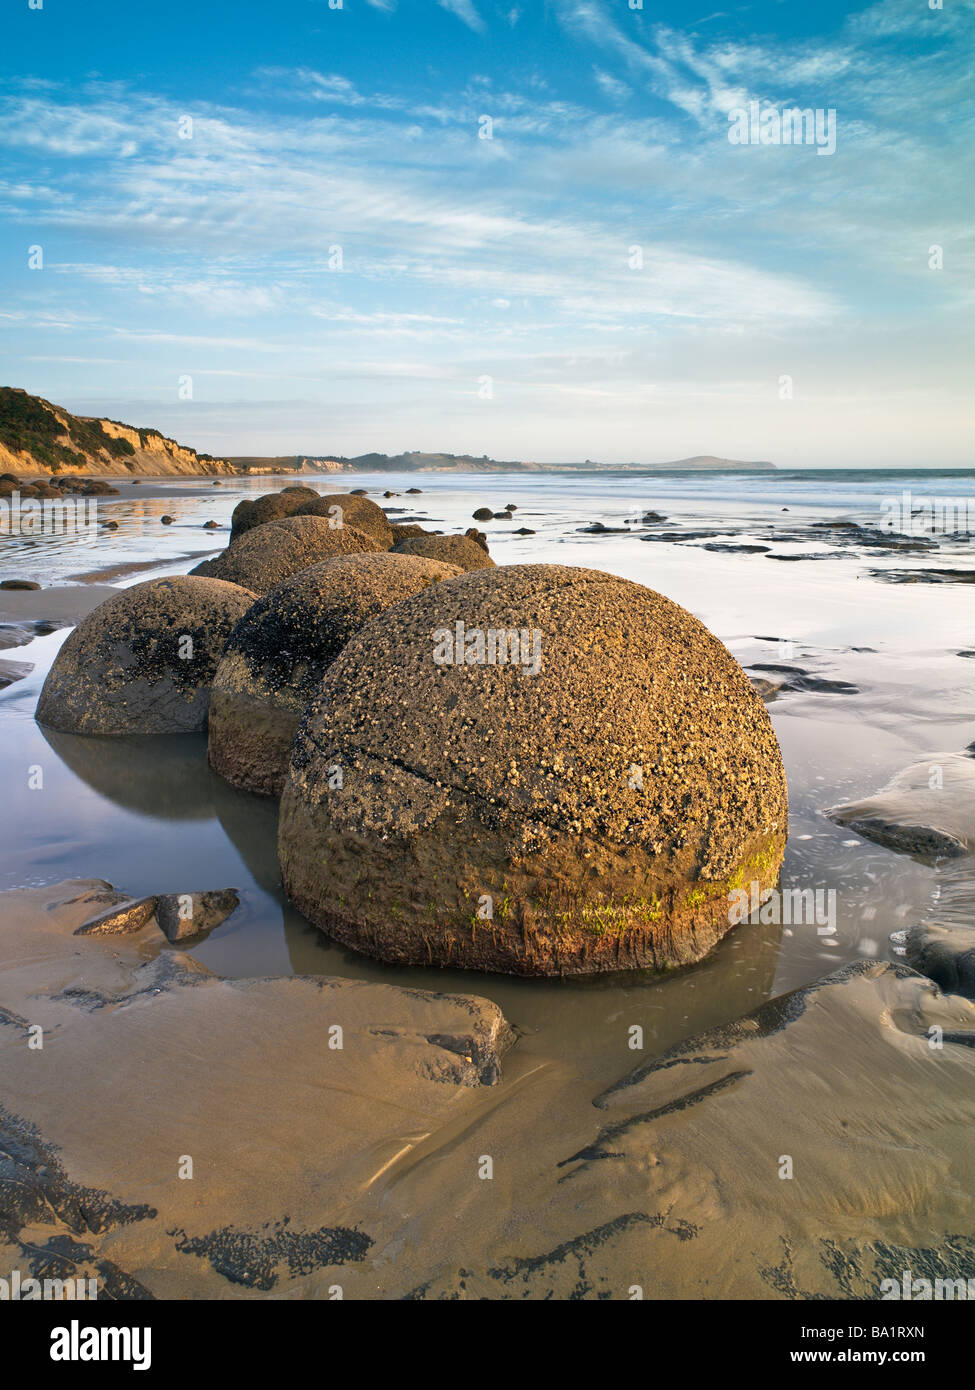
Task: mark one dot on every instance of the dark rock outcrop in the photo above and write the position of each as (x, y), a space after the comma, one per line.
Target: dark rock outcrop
(926, 811)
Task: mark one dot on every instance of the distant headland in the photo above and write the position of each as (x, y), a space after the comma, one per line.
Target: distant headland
(38, 438)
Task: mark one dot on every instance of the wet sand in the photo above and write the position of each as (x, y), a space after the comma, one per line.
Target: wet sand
(869, 679)
(744, 1163)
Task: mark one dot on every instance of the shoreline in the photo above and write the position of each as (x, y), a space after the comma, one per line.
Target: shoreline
(765, 1002)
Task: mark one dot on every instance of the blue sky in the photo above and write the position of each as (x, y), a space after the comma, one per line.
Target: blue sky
(488, 298)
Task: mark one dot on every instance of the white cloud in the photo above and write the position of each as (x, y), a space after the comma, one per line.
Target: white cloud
(755, 261)
(465, 11)
(611, 86)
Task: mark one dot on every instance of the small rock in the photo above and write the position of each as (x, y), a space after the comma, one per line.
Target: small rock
(182, 915)
(767, 690)
(211, 526)
(167, 520)
(122, 919)
(483, 514)
(12, 635)
(19, 584)
(11, 671)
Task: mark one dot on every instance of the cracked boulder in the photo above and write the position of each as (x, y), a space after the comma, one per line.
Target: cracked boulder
(544, 771)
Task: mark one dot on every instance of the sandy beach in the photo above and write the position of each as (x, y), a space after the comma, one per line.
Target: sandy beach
(614, 1165)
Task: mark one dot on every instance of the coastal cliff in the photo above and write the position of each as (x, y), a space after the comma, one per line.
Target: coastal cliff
(38, 438)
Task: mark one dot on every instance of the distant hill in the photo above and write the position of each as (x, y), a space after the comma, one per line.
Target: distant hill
(37, 437)
(414, 461)
(288, 463)
(707, 463)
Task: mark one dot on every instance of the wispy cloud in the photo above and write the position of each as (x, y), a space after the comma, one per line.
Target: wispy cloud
(607, 247)
(465, 11)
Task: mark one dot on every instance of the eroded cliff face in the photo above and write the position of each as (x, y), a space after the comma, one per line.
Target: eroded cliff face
(156, 456)
(154, 453)
(38, 438)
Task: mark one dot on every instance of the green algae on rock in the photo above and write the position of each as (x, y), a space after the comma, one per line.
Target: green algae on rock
(283, 646)
(142, 662)
(587, 811)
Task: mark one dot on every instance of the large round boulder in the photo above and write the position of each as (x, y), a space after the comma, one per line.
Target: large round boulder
(347, 509)
(282, 648)
(406, 531)
(143, 661)
(462, 551)
(271, 506)
(269, 554)
(542, 770)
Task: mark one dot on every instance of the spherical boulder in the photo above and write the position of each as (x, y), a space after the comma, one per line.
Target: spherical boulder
(347, 509)
(282, 648)
(543, 771)
(453, 550)
(407, 531)
(272, 506)
(269, 554)
(143, 661)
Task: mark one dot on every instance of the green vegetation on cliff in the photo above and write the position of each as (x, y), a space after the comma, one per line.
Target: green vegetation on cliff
(28, 423)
